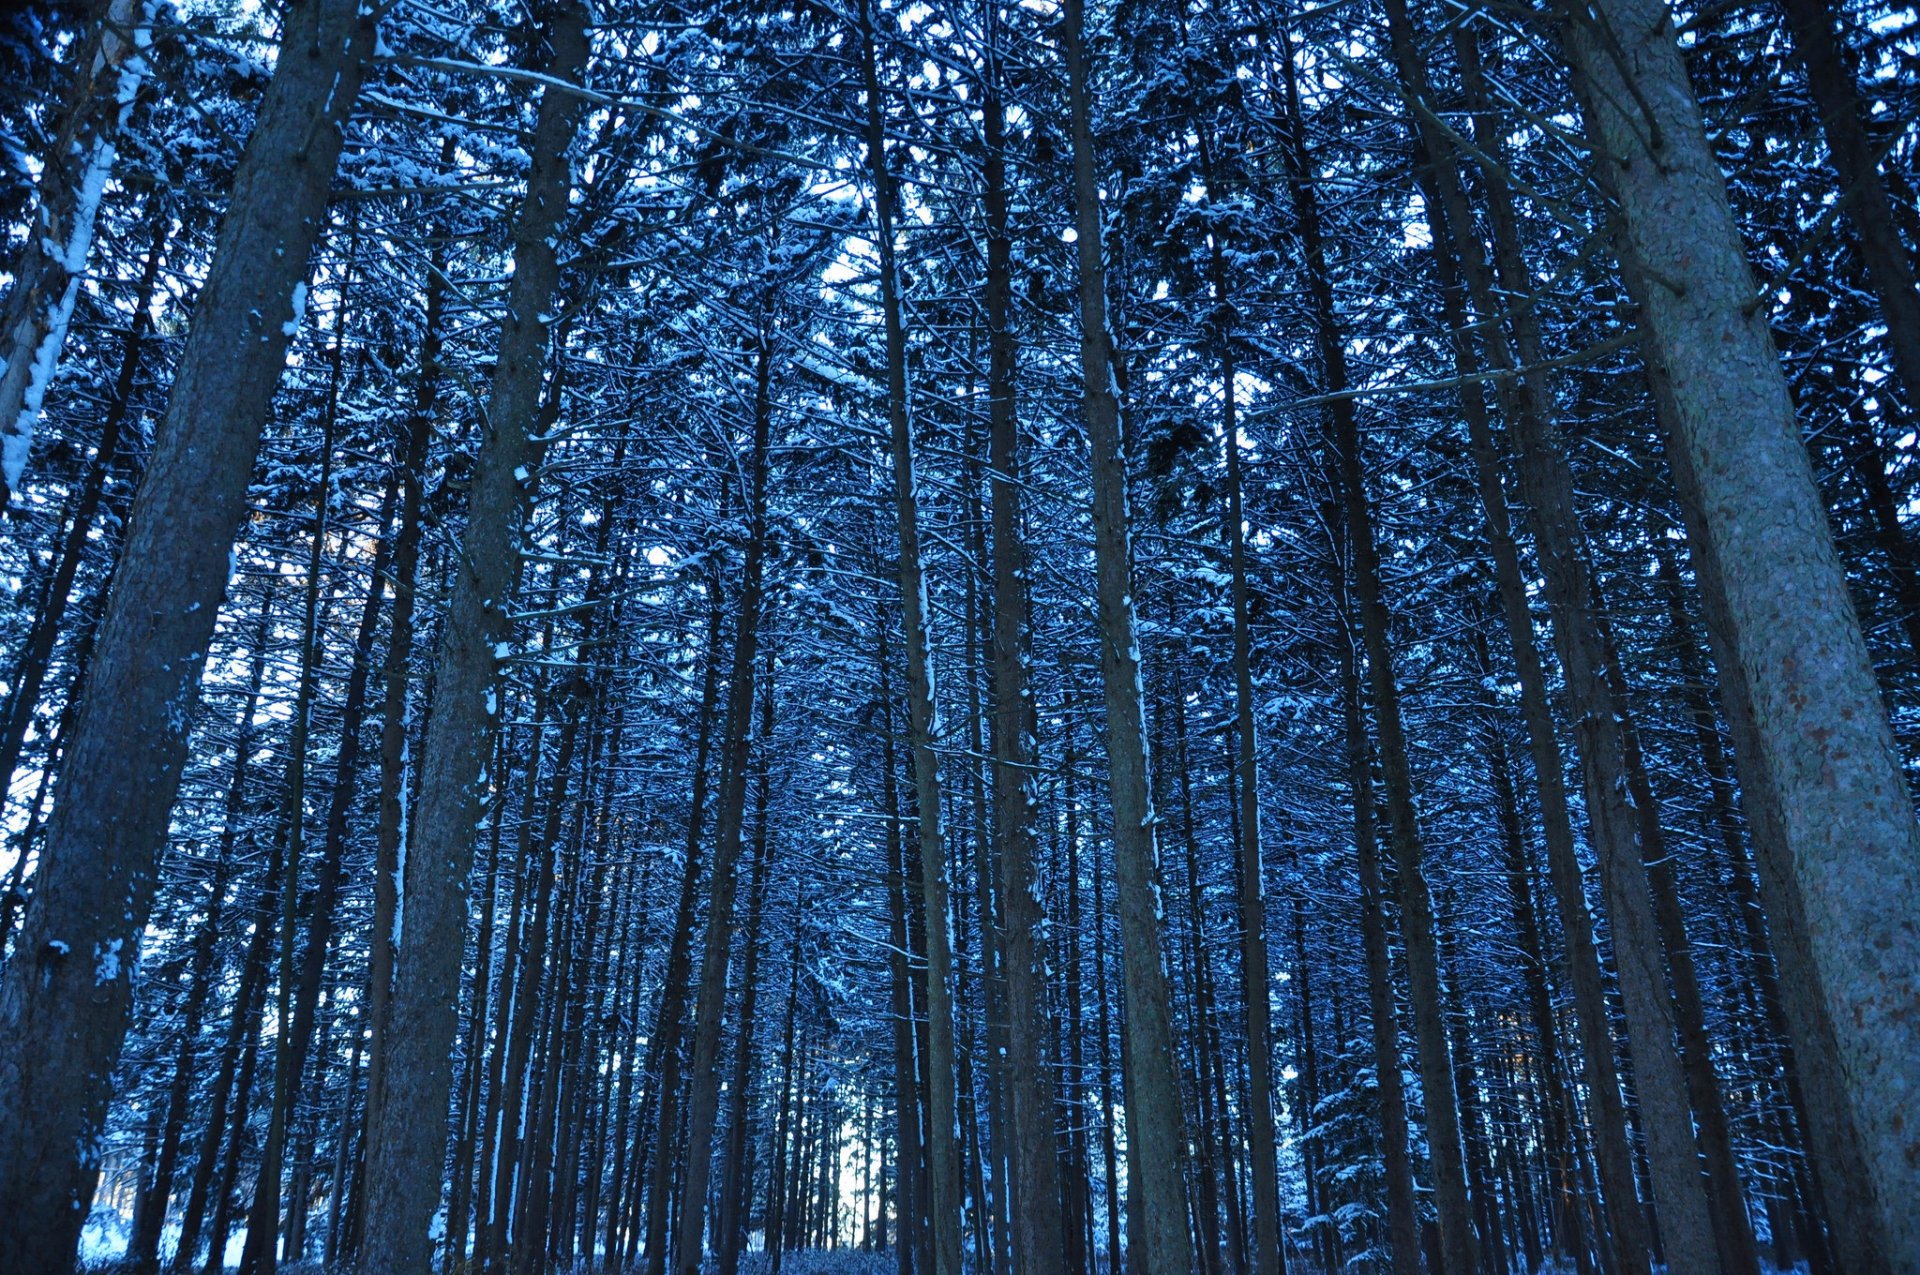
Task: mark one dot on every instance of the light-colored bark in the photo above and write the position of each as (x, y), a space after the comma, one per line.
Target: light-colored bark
(1835, 829)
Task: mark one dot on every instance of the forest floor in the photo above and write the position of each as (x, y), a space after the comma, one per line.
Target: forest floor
(104, 1249)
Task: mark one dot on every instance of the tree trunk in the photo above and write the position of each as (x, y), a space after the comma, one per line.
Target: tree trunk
(1155, 1139)
(38, 308)
(404, 1165)
(396, 687)
(732, 1221)
(1445, 1150)
(291, 1037)
(143, 1247)
(1840, 847)
(923, 722)
(1255, 971)
(1686, 1209)
(65, 1001)
(1037, 1219)
(1403, 1222)
(710, 1001)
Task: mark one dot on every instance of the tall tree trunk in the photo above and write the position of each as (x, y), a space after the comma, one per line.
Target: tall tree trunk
(1839, 844)
(1037, 1219)
(1255, 972)
(1403, 1222)
(1568, 1230)
(396, 687)
(710, 1000)
(291, 1037)
(1155, 1138)
(65, 1001)
(923, 721)
(914, 1239)
(664, 1048)
(1686, 1210)
(1432, 1051)
(732, 1219)
(404, 1165)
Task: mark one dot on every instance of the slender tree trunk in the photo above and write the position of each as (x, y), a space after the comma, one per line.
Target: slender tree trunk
(710, 1002)
(253, 972)
(1839, 844)
(1445, 1150)
(1687, 1212)
(404, 1164)
(1155, 1139)
(923, 720)
(668, 1036)
(1037, 1218)
(1554, 1103)
(65, 1001)
(732, 1221)
(914, 1239)
(1268, 1258)
(396, 685)
(109, 69)
(291, 1032)
(1403, 1222)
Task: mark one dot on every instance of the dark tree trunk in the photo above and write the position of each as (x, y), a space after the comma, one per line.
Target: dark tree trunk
(405, 1160)
(65, 1000)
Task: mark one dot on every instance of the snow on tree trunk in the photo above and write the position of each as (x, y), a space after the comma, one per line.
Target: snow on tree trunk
(407, 1148)
(65, 1001)
(33, 321)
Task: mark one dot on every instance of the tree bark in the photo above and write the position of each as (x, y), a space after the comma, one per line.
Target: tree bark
(65, 1001)
(1155, 1139)
(1839, 844)
(405, 1160)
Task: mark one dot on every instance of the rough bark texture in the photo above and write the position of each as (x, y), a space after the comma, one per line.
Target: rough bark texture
(1838, 841)
(405, 1158)
(65, 1000)
(1156, 1141)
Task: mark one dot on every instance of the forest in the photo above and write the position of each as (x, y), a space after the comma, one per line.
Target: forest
(959, 637)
